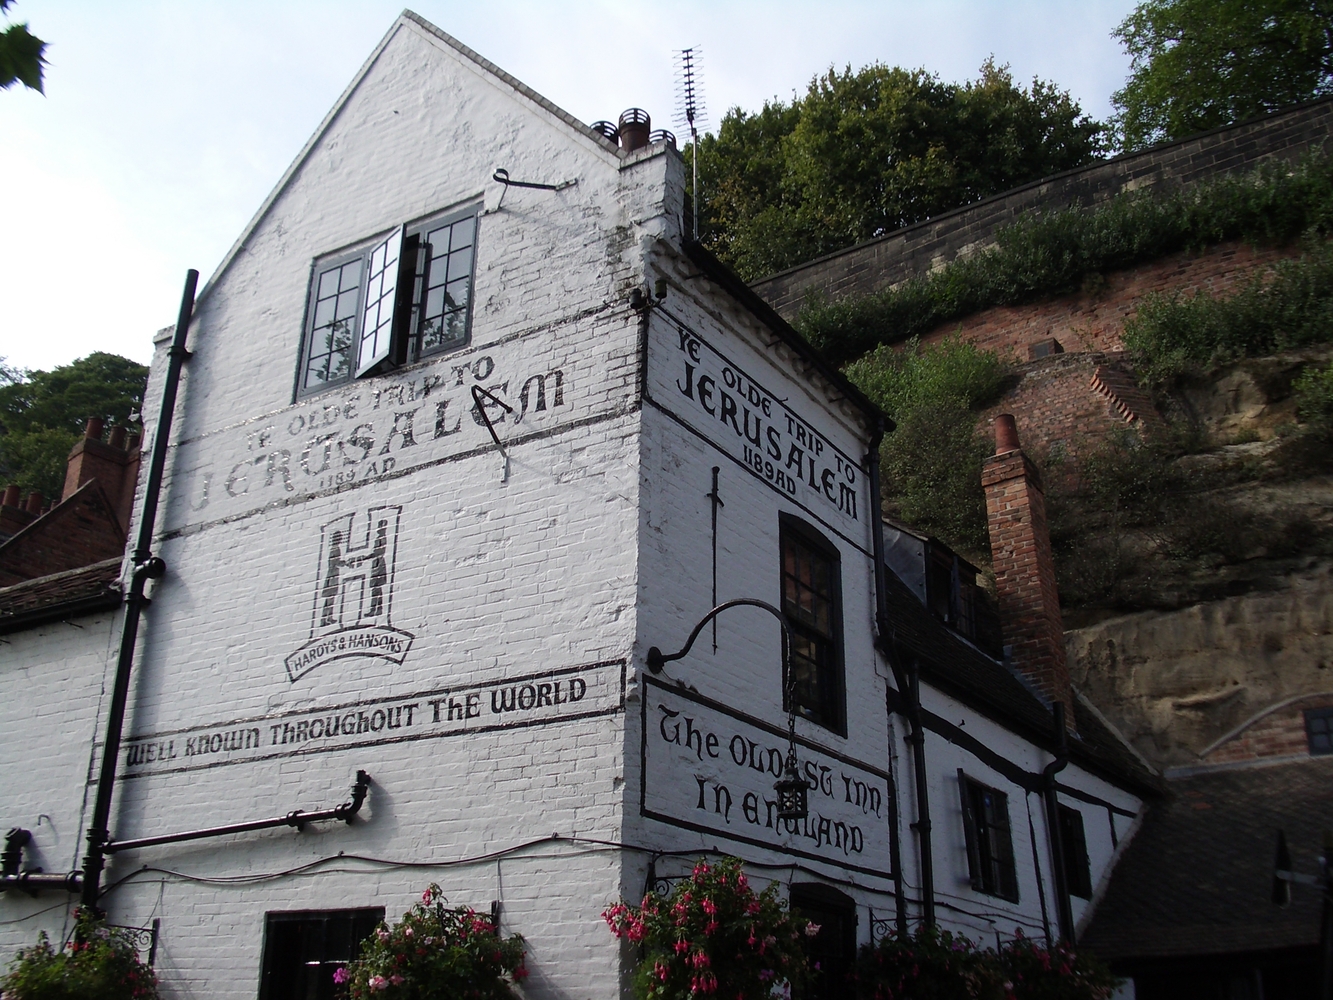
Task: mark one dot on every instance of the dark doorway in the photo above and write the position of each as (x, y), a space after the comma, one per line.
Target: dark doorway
(833, 949)
(302, 950)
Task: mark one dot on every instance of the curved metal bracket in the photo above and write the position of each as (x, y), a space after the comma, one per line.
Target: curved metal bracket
(657, 659)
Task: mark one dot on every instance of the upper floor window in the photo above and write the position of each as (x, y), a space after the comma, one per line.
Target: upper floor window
(1078, 871)
(812, 602)
(990, 845)
(1319, 730)
(398, 300)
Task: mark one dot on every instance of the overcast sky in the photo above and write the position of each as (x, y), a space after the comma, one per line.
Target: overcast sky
(166, 123)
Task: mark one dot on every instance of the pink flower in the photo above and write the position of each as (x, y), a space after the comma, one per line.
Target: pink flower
(811, 930)
(340, 975)
(396, 980)
(378, 983)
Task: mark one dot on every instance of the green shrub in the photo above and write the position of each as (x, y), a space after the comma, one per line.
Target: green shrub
(713, 934)
(1055, 252)
(1290, 306)
(1314, 393)
(435, 952)
(932, 460)
(99, 963)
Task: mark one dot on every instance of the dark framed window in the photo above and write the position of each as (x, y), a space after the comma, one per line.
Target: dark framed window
(832, 951)
(303, 949)
(1078, 872)
(402, 298)
(1319, 731)
(990, 845)
(812, 603)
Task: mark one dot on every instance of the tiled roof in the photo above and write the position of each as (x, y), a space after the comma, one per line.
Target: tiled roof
(953, 665)
(1197, 879)
(76, 591)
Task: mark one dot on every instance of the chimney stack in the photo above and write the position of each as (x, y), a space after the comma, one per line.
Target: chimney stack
(1024, 569)
(114, 464)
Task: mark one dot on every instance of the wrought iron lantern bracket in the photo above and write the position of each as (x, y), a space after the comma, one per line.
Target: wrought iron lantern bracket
(791, 788)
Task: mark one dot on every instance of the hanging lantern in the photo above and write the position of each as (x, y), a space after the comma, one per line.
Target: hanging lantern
(791, 789)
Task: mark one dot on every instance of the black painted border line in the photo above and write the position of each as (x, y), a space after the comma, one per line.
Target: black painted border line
(650, 683)
(274, 719)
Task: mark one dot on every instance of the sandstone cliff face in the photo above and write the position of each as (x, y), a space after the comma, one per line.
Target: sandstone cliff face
(1174, 682)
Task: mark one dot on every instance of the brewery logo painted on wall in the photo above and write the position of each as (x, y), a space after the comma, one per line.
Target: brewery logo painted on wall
(354, 593)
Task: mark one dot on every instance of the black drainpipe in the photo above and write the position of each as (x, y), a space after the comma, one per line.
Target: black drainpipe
(911, 697)
(1063, 912)
(146, 567)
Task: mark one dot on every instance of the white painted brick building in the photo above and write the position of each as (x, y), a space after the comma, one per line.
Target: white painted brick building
(358, 577)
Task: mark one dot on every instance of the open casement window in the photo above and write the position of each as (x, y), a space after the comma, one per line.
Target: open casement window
(990, 845)
(405, 297)
(812, 603)
(302, 950)
(1078, 872)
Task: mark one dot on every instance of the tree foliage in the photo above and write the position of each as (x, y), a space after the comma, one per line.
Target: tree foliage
(22, 55)
(864, 153)
(42, 414)
(1201, 64)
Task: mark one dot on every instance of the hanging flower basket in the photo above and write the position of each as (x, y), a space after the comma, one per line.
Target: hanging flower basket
(435, 952)
(714, 935)
(100, 962)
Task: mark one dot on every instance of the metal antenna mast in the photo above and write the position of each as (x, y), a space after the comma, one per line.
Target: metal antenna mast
(690, 113)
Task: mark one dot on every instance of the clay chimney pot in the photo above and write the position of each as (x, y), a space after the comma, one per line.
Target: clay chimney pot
(34, 505)
(94, 428)
(1006, 434)
(11, 495)
(118, 437)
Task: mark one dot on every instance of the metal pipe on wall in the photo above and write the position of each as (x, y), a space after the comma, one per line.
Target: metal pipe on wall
(146, 567)
(1064, 913)
(911, 697)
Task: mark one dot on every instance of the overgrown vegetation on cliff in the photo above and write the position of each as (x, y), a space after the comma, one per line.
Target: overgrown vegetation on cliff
(932, 461)
(1056, 252)
(1289, 306)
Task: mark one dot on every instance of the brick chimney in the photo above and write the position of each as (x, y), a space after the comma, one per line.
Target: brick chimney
(1024, 570)
(115, 466)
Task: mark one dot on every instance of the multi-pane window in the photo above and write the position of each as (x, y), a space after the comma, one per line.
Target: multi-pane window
(1319, 730)
(811, 595)
(302, 950)
(405, 297)
(1078, 872)
(990, 846)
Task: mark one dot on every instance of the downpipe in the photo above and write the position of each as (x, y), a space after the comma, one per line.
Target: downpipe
(911, 695)
(146, 567)
(1064, 913)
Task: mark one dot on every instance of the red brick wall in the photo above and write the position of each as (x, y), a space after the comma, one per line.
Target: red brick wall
(1025, 575)
(82, 530)
(1279, 734)
(1093, 320)
(1061, 416)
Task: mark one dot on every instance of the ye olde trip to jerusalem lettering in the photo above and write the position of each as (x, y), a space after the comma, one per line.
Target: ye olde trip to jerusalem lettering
(348, 439)
(532, 700)
(771, 440)
(709, 769)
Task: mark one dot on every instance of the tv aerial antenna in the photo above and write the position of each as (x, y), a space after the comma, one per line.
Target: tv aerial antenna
(690, 114)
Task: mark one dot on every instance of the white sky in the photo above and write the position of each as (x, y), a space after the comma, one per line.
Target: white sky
(166, 122)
